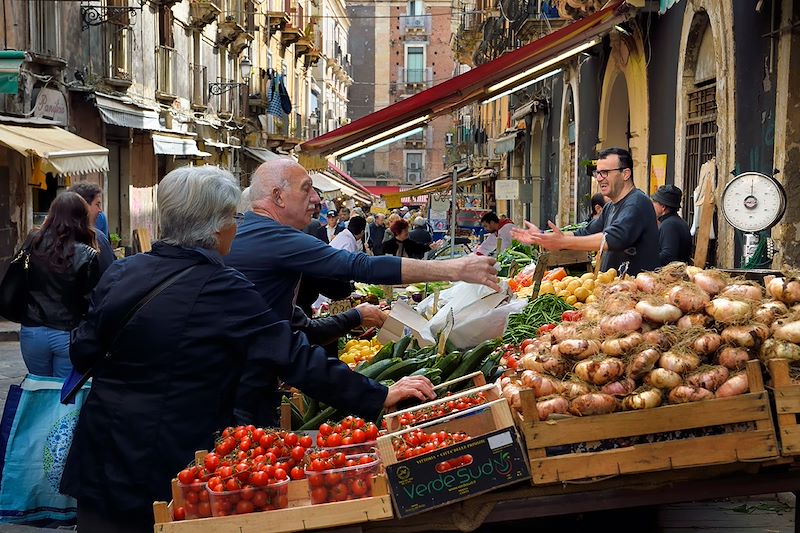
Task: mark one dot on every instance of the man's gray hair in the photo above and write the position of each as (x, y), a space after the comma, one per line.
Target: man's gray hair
(194, 203)
(245, 204)
(268, 176)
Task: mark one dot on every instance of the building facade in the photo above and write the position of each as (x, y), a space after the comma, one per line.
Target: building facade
(406, 49)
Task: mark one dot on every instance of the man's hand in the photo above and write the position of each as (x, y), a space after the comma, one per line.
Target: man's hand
(372, 316)
(533, 235)
(475, 269)
(418, 387)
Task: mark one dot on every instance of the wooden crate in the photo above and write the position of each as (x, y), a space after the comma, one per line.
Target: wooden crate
(545, 440)
(787, 407)
(567, 257)
(299, 516)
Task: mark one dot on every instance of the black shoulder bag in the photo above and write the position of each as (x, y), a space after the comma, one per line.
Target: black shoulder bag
(14, 287)
(75, 381)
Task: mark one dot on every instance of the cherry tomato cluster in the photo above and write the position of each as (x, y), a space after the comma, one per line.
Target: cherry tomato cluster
(336, 477)
(247, 471)
(349, 432)
(441, 409)
(508, 355)
(419, 442)
(452, 464)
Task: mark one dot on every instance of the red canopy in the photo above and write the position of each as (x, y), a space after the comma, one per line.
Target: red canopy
(472, 85)
(383, 189)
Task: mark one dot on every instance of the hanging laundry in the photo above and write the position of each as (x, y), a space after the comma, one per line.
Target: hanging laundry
(275, 107)
(286, 103)
(38, 177)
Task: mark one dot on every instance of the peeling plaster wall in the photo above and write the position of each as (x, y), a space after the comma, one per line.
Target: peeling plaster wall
(787, 138)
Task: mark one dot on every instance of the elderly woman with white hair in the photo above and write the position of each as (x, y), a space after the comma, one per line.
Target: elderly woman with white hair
(176, 363)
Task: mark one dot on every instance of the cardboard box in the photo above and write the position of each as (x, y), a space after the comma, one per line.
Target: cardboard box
(497, 460)
(402, 321)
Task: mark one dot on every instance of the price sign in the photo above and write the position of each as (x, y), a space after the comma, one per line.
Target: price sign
(506, 189)
(340, 306)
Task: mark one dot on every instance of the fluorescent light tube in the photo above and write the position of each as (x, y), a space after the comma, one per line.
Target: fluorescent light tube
(372, 147)
(518, 87)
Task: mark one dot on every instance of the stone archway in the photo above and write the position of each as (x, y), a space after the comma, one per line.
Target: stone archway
(715, 16)
(537, 136)
(568, 160)
(624, 103)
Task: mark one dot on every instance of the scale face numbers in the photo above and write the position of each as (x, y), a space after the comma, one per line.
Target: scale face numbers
(753, 202)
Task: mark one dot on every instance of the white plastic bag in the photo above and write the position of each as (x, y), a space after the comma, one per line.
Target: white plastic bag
(473, 329)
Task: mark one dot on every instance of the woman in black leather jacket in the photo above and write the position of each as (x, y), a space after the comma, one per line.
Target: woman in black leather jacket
(63, 270)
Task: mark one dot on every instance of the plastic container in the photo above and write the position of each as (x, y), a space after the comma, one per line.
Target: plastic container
(352, 449)
(346, 483)
(196, 500)
(250, 499)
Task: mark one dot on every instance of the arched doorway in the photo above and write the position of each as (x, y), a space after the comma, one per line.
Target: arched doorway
(568, 182)
(624, 103)
(537, 173)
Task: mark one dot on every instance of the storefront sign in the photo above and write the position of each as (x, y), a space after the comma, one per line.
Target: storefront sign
(506, 189)
(50, 104)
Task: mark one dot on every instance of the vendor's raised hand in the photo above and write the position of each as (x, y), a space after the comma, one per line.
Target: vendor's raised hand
(372, 316)
(527, 235)
(417, 387)
(477, 269)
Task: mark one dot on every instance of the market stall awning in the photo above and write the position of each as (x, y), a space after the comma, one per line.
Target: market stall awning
(177, 146)
(324, 184)
(119, 112)
(346, 188)
(503, 144)
(485, 81)
(483, 174)
(264, 155)
(62, 152)
(347, 178)
(10, 61)
(377, 190)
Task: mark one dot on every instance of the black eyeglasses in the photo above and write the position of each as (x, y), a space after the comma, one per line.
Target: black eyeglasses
(238, 217)
(604, 173)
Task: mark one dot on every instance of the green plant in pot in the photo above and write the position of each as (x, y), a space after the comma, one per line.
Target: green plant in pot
(114, 239)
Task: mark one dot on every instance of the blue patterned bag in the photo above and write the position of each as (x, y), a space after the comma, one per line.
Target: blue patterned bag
(35, 436)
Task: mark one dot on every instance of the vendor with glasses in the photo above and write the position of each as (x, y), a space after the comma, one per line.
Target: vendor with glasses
(628, 222)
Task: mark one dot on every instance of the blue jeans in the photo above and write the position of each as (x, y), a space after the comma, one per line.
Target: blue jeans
(45, 351)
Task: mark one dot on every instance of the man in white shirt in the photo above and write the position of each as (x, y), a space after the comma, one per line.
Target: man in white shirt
(348, 238)
(495, 229)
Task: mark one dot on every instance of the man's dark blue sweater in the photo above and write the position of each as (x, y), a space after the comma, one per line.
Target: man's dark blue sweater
(631, 233)
(274, 257)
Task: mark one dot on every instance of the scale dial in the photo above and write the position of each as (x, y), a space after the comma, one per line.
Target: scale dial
(753, 202)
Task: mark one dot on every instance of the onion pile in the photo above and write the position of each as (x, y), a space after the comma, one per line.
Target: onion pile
(682, 334)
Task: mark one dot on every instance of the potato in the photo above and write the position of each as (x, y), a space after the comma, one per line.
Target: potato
(581, 294)
(588, 276)
(571, 299)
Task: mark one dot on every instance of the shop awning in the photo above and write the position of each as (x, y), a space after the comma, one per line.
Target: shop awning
(177, 146)
(118, 112)
(347, 189)
(503, 144)
(62, 152)
(215, 144)
(490, 79)
(324, 184)
(347, 178)
(378, 190)
(484, 174)
(264, 155)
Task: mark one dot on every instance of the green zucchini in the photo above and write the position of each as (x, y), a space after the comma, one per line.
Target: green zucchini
(375, 370)
(323, 416)
(400, 346)
(472, 359)
(384, 353)
(401, 369)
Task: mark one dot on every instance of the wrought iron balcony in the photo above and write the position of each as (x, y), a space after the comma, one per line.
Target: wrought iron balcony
(203, 12)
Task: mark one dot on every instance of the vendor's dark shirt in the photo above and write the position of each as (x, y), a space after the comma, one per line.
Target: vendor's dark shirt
(674, 239)
(631, 233)
(274, 257)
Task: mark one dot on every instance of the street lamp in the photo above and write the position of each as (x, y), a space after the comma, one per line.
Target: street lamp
(245, 68)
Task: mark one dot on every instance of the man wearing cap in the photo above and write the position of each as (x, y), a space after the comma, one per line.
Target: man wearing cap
(674, 238)
(420, 234)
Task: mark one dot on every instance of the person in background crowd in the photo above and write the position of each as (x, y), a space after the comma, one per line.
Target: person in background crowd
(348, 239)
(376, 232)
(315, 227)
(64, 268)
(272, 253)
(405, 213)
(420, 233)
(503, 217)
(178, 365)
(402, 246)
(596, 205)
(344, 216)
(94, 197)
(674, 237)
(102, 223)
(494, 229)
(628, 222)
(331, 229)
(387, 234)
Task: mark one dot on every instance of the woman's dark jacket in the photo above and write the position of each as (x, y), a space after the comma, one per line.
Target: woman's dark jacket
(411, 248)
(175, 372)
(59, 300)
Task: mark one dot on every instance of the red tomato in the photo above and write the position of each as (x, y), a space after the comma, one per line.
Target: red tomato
(320, 440)
(245, 443)
(232, 484)
(305, 441)
(339, 460)
(242, 471)
(280, 474)
(526, 343)
(298, 452)
(244, 507)
(358, 487)
(332, 479)
(319, 495)
(371, 431)
(260, 499)
(211, 461)
(271, 458)
(316, 480)
(257, 434)
(297, 473)
(239, 434)
(259, 479)
(359, 436)
(317, 465)
(365, 459)
(204, 509)
(325, 430)
(512, 363)
(347, 441)
(291, 439)
(186, 476)
(339, 492)
(191, 497)
(546, 328)
(570, 316)
(179, 513)
(247, 493)
(333, 440)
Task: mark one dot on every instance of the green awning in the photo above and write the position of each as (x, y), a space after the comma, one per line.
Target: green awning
(10, 60)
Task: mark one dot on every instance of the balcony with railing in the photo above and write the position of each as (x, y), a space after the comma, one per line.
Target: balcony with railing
(533, 19)
(415, 24)
(199, 87)
(227, 103)
(203, 12)
(468, 36)
(234, 23)
(421, 78)
(165, 73)
(118, 58)
(260, 85)
(293, 31)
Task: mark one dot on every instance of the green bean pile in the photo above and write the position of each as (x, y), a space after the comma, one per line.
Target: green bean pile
(546, 309)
